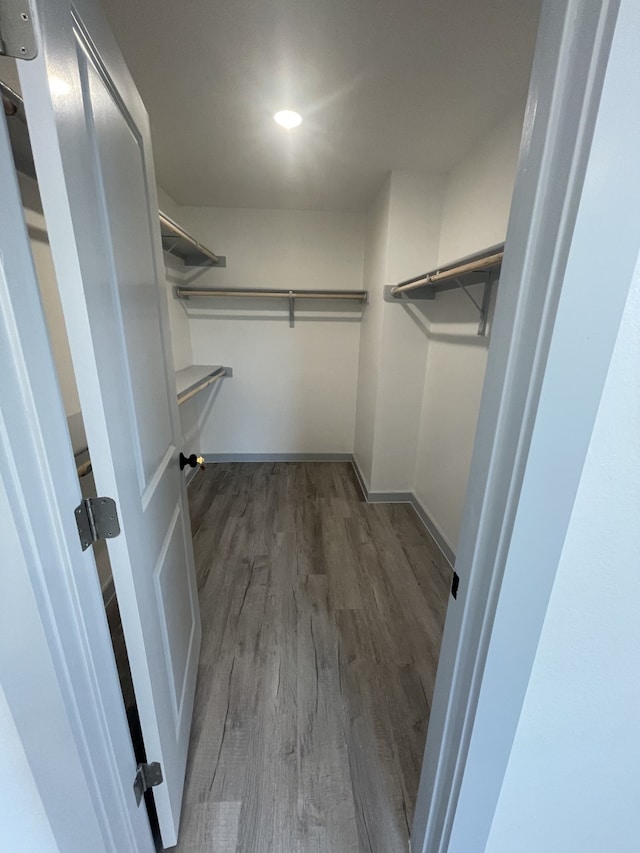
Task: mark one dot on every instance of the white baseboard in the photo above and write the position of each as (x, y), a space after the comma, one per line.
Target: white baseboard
(277, 457)
(410, 498)
(369, 496)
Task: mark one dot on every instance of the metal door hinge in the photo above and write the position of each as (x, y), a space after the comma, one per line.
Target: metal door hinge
(97, 518)
(147, 776)
(17, 34)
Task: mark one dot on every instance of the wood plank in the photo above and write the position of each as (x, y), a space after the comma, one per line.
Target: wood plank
(210, 827)
(326, 808)
(382, 812)
(322, 619)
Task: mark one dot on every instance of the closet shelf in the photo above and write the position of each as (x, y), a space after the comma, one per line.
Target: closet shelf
(271, 293)
(176, 241)
(192, 380)
(479, 268)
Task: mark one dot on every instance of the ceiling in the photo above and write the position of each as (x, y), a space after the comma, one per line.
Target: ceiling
(401, 84)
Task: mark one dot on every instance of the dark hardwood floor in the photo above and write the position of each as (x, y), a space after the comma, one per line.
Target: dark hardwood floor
(322, 619)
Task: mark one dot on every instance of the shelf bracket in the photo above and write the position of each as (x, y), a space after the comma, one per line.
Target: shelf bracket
(483, 307)
(486, 302)
(468, 294)
(292, 310)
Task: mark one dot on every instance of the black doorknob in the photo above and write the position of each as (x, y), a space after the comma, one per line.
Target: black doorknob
(191, 461)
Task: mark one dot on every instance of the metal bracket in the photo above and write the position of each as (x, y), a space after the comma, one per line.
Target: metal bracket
(292, 310)
(147, 776)
(486, 302)
(483, 308)
(427, 293)
(97, 518)
(17, 34)
(196, 261)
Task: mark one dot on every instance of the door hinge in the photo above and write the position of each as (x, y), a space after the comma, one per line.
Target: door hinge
(147, 776)
(97, 518)
(17, 33)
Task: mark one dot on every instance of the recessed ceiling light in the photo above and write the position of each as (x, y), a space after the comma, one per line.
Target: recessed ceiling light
(288, 118)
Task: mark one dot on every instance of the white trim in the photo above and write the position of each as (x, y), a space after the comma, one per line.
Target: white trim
(364, 488)
(434, 531)
(569, 66)
(277, 457)
(407, 497)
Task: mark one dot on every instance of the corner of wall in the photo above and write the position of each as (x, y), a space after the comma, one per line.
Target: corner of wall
(402, 236)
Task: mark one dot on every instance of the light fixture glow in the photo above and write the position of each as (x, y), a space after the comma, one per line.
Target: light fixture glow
(288, 119)
(58, 86)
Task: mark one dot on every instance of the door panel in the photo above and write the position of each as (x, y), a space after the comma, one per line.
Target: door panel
(175, 601)
(91, 144)
(121, 173)
(57, 665)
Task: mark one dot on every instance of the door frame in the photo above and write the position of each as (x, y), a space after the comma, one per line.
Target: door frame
(530, 445)
(556, 143)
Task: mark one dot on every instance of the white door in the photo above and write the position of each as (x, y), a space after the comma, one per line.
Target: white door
(92, 151)
(62, 718)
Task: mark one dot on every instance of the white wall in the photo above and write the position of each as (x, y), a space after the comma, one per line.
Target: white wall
(403, 230)
(478, 192)
(422, 364)
(24, 823)
(34, 720)
(175, 275)
(414, 225)
(475, 211)
(374, 279)
(293, 389)
(572, 781)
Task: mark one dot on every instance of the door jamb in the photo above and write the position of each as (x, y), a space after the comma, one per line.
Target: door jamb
(569, 67)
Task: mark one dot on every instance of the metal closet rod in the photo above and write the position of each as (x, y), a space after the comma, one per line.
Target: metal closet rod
(184, 235)
(186, 293)
(449, 272)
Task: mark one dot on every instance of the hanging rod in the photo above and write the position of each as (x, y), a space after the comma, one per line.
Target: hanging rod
(179, 242)
(480, 268)
(186, 293)
(266, 293)
(474, 263)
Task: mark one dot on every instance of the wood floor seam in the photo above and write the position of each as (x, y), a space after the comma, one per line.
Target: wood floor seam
(322, 620)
